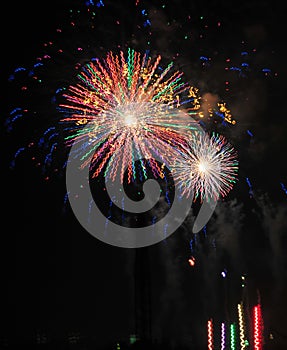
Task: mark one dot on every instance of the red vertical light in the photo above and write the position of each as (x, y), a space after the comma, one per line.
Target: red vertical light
(257, 328)
(210, 335)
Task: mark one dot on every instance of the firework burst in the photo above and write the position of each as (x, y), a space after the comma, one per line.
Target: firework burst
(126, 110)
(208, 167)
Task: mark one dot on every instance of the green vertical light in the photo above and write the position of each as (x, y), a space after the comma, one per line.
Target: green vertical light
(130, 66)
(232, 337)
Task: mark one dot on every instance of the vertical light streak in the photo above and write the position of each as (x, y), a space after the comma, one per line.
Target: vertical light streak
(232, 337)
(222, 344)
(257, 328)
(241, 326)
(210, 343)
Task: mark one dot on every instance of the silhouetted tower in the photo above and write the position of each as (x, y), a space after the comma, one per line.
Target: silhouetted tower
(142, 294)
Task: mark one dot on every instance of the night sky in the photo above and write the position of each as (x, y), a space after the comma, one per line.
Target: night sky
(57, 278)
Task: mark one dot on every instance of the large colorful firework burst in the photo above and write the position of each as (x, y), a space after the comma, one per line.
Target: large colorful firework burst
(126, 109)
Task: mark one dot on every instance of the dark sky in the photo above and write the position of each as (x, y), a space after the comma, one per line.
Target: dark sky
(56, 277)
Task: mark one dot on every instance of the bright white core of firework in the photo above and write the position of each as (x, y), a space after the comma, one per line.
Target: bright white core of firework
(203, 167)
